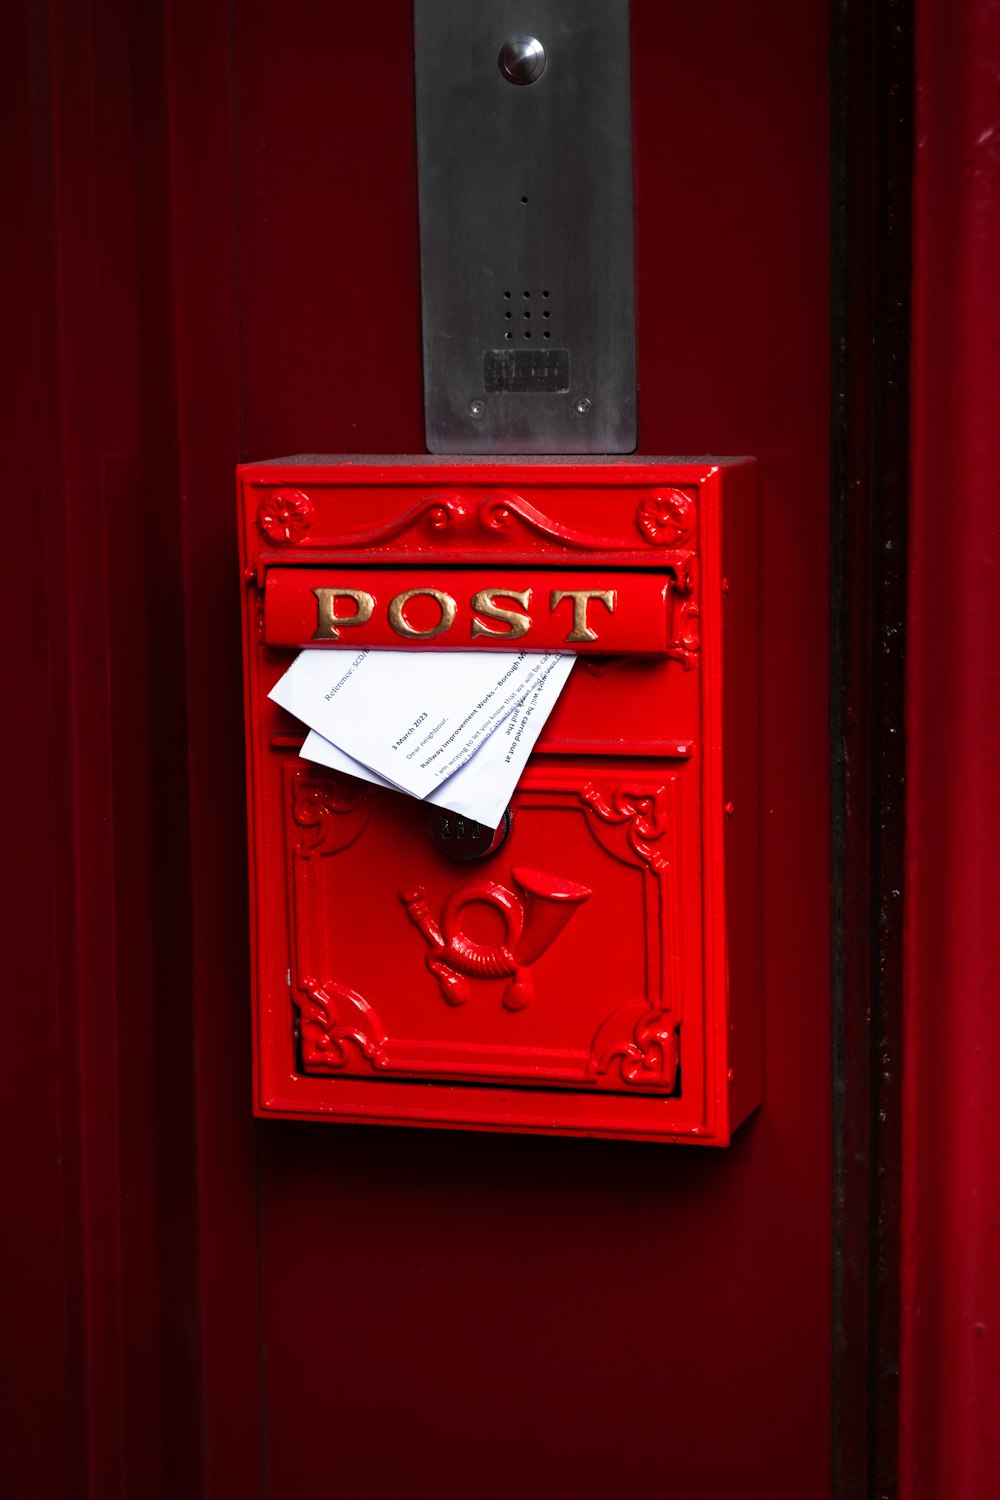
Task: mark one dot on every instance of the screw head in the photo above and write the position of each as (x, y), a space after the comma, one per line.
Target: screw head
(581, 405)
(477, 408)
(522, 59)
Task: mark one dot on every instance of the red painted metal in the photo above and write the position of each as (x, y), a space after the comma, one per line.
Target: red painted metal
(950, 1376)
(644, 1021)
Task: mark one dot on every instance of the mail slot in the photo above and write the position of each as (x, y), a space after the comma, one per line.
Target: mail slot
(609, 613)
(591, 967)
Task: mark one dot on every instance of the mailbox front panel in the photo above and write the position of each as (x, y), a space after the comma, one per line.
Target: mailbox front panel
(598, 973)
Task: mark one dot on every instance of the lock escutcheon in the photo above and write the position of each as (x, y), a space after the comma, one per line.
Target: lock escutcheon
(465, 839)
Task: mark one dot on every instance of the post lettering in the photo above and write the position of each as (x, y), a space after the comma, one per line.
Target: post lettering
(581, 598)
(328, 621)
(401, 626)
(485, 603)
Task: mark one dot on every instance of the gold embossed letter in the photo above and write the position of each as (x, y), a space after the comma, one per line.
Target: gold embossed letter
(327, 621)
(485, 603)
(445, 603)
(581, 598)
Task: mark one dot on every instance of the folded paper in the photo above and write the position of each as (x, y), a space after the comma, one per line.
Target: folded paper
(452, 728)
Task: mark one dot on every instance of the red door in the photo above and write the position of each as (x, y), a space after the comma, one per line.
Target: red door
(219, 259)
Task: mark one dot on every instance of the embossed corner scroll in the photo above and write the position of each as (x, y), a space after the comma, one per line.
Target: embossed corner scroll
(643, 1042)
(642, 1037)
(331, 813)
(336, 1023)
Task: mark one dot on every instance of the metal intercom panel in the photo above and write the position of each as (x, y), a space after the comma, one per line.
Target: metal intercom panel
(525, 165)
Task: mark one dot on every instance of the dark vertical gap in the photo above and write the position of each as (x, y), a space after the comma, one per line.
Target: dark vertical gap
(894, 155)
(871, 137)
(839, 73)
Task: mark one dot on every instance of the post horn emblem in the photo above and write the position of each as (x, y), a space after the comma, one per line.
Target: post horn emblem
(532, 921)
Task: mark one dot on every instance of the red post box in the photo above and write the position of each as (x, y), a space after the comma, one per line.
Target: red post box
(592, 967)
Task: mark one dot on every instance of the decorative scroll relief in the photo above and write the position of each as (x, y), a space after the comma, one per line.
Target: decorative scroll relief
(328, 815)
(336, 1023)
(666, 520)
(644, 1042)
(449, 514)
(685, 634)
(643, 814)
(332, 813)
(532, 922)
(642, 1037)
(503, 511)
(435, 513)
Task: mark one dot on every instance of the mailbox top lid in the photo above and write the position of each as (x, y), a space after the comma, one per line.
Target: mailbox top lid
(632, 462)
(639, 513)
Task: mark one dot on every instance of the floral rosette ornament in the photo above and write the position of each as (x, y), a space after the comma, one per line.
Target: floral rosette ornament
(285, 516)
(666, 517)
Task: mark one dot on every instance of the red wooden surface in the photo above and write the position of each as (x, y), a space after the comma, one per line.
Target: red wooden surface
(220, 245)
(950, 1356)
(488, 1347)
(82, 1409)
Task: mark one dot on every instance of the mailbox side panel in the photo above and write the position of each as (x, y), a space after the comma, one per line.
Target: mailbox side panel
(741, 781)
